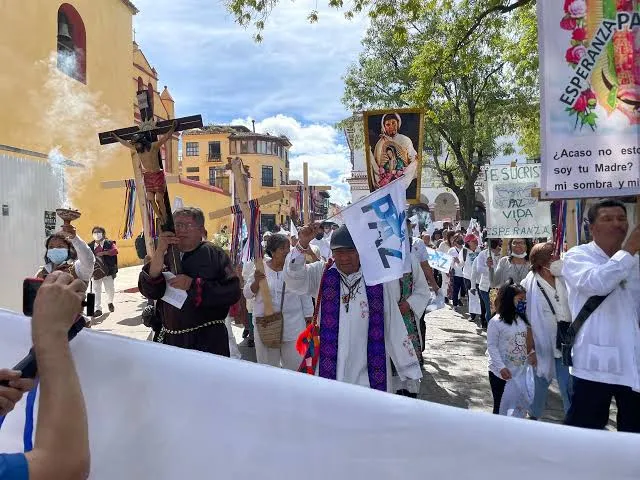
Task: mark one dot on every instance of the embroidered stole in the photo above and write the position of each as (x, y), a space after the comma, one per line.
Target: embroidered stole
(329, 331)
(406, 288)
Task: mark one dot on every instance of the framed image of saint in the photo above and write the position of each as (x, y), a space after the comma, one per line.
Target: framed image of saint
(393, 140)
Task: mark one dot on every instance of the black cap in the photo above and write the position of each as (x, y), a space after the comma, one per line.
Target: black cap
(341, 238)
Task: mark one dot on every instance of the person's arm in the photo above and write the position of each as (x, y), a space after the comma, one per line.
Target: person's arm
(307, 307)
(85, 263)
(112, 252)
(302, 278)
(124, 142)
(61, 449)
(499, 272)
(481, 265)
(584, 275)
(493, 344)
(223, 289)
(248, 273)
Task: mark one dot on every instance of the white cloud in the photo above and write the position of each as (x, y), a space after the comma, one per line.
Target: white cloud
(320, 145)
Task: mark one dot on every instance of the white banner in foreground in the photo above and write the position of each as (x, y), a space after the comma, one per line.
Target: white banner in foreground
(163, 413)
(590, 91)
(513, 211)
(377, 223)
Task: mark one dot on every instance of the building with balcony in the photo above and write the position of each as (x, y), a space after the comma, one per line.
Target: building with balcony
(205, 154)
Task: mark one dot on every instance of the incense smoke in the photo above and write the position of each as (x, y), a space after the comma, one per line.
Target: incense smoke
(73, 116)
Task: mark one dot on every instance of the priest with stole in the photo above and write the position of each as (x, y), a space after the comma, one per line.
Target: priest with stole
(361, 327)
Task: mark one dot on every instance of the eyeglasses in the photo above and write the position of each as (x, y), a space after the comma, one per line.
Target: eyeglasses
(519, 243)
(186, 226)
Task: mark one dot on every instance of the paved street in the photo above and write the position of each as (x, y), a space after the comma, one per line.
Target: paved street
(455, 361)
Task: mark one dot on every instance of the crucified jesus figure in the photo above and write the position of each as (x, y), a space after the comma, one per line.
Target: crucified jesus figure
(152, 173)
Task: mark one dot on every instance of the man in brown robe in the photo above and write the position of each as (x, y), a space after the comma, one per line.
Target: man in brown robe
(208, 278)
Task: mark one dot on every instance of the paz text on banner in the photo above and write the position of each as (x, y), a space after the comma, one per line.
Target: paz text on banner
(590, 91)
(439, 260)
(378, 226)
(513, 208)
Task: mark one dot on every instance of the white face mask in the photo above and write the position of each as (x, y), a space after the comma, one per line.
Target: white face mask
(519, 255)
(97, 236)
(556, 268)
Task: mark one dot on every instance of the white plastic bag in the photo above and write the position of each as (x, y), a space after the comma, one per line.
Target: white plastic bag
(518, 393)
(474, 303)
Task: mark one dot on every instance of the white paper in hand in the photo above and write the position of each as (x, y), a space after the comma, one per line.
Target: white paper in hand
(173, 296)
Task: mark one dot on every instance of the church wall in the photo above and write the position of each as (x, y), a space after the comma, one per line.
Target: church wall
(44, 109)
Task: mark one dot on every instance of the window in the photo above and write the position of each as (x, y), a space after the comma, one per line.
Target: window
(252, 146)
(232, 148)
(281, 177)
(72, 43)
(140, 84)
(262, 147)
(193, 177)
(269, 148)
(151, 92)
(244, 146)
(214, 152)
(267, 222)
(193, 169)
(267, 176)
(193, 149)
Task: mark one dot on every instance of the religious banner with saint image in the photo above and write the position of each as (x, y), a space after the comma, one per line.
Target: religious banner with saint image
(378, 226)
(393, 141)
(590, 98)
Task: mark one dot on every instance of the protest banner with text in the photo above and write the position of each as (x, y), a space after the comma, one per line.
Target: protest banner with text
(513, 208)
(590, 97)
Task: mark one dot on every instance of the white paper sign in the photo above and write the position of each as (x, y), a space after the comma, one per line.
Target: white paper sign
(439, 261)
(378, 226)
(589, 98)
(512, 210)
(173, 296)
(165, 413)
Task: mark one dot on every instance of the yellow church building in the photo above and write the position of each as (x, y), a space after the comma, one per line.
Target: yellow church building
(205, 153)
(71, 70)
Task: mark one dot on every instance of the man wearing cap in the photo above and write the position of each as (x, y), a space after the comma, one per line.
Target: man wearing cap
(362, 329)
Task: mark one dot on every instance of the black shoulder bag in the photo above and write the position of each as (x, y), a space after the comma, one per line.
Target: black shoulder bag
(567, 331)
(571, 331)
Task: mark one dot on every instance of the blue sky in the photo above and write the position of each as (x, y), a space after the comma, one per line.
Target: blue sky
(291, 83)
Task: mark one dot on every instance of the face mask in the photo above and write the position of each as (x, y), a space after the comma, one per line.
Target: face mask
(57, 255)
(97, 236)
(521, 306)
(460, 242)
(519, 255)
(320, 236)
(556, 268)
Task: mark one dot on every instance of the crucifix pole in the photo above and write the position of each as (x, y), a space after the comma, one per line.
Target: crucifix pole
(240, 184)
(142, 204)
(305, 201)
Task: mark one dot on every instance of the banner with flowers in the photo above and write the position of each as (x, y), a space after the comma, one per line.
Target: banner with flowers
(590, 98)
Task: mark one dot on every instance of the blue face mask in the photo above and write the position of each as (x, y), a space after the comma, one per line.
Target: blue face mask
(57, 255)
(521, 306)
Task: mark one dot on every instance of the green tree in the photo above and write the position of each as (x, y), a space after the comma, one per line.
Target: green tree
(472, 88)
(257, 12)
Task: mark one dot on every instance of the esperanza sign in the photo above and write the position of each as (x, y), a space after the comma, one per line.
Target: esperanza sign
(590, 97)
(512, 210)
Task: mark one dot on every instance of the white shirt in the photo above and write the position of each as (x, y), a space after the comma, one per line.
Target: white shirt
(294, 308)
(419, 250)
(468, 262)
(506, 345)
(480, 275)
(324, 246)
(457, 266)
(607, 347)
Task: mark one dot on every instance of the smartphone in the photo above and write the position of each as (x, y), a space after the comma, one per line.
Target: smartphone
(30, 288)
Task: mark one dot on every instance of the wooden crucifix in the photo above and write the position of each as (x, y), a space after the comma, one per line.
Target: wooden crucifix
(145, 144)
(307, 189)
(240, 177)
